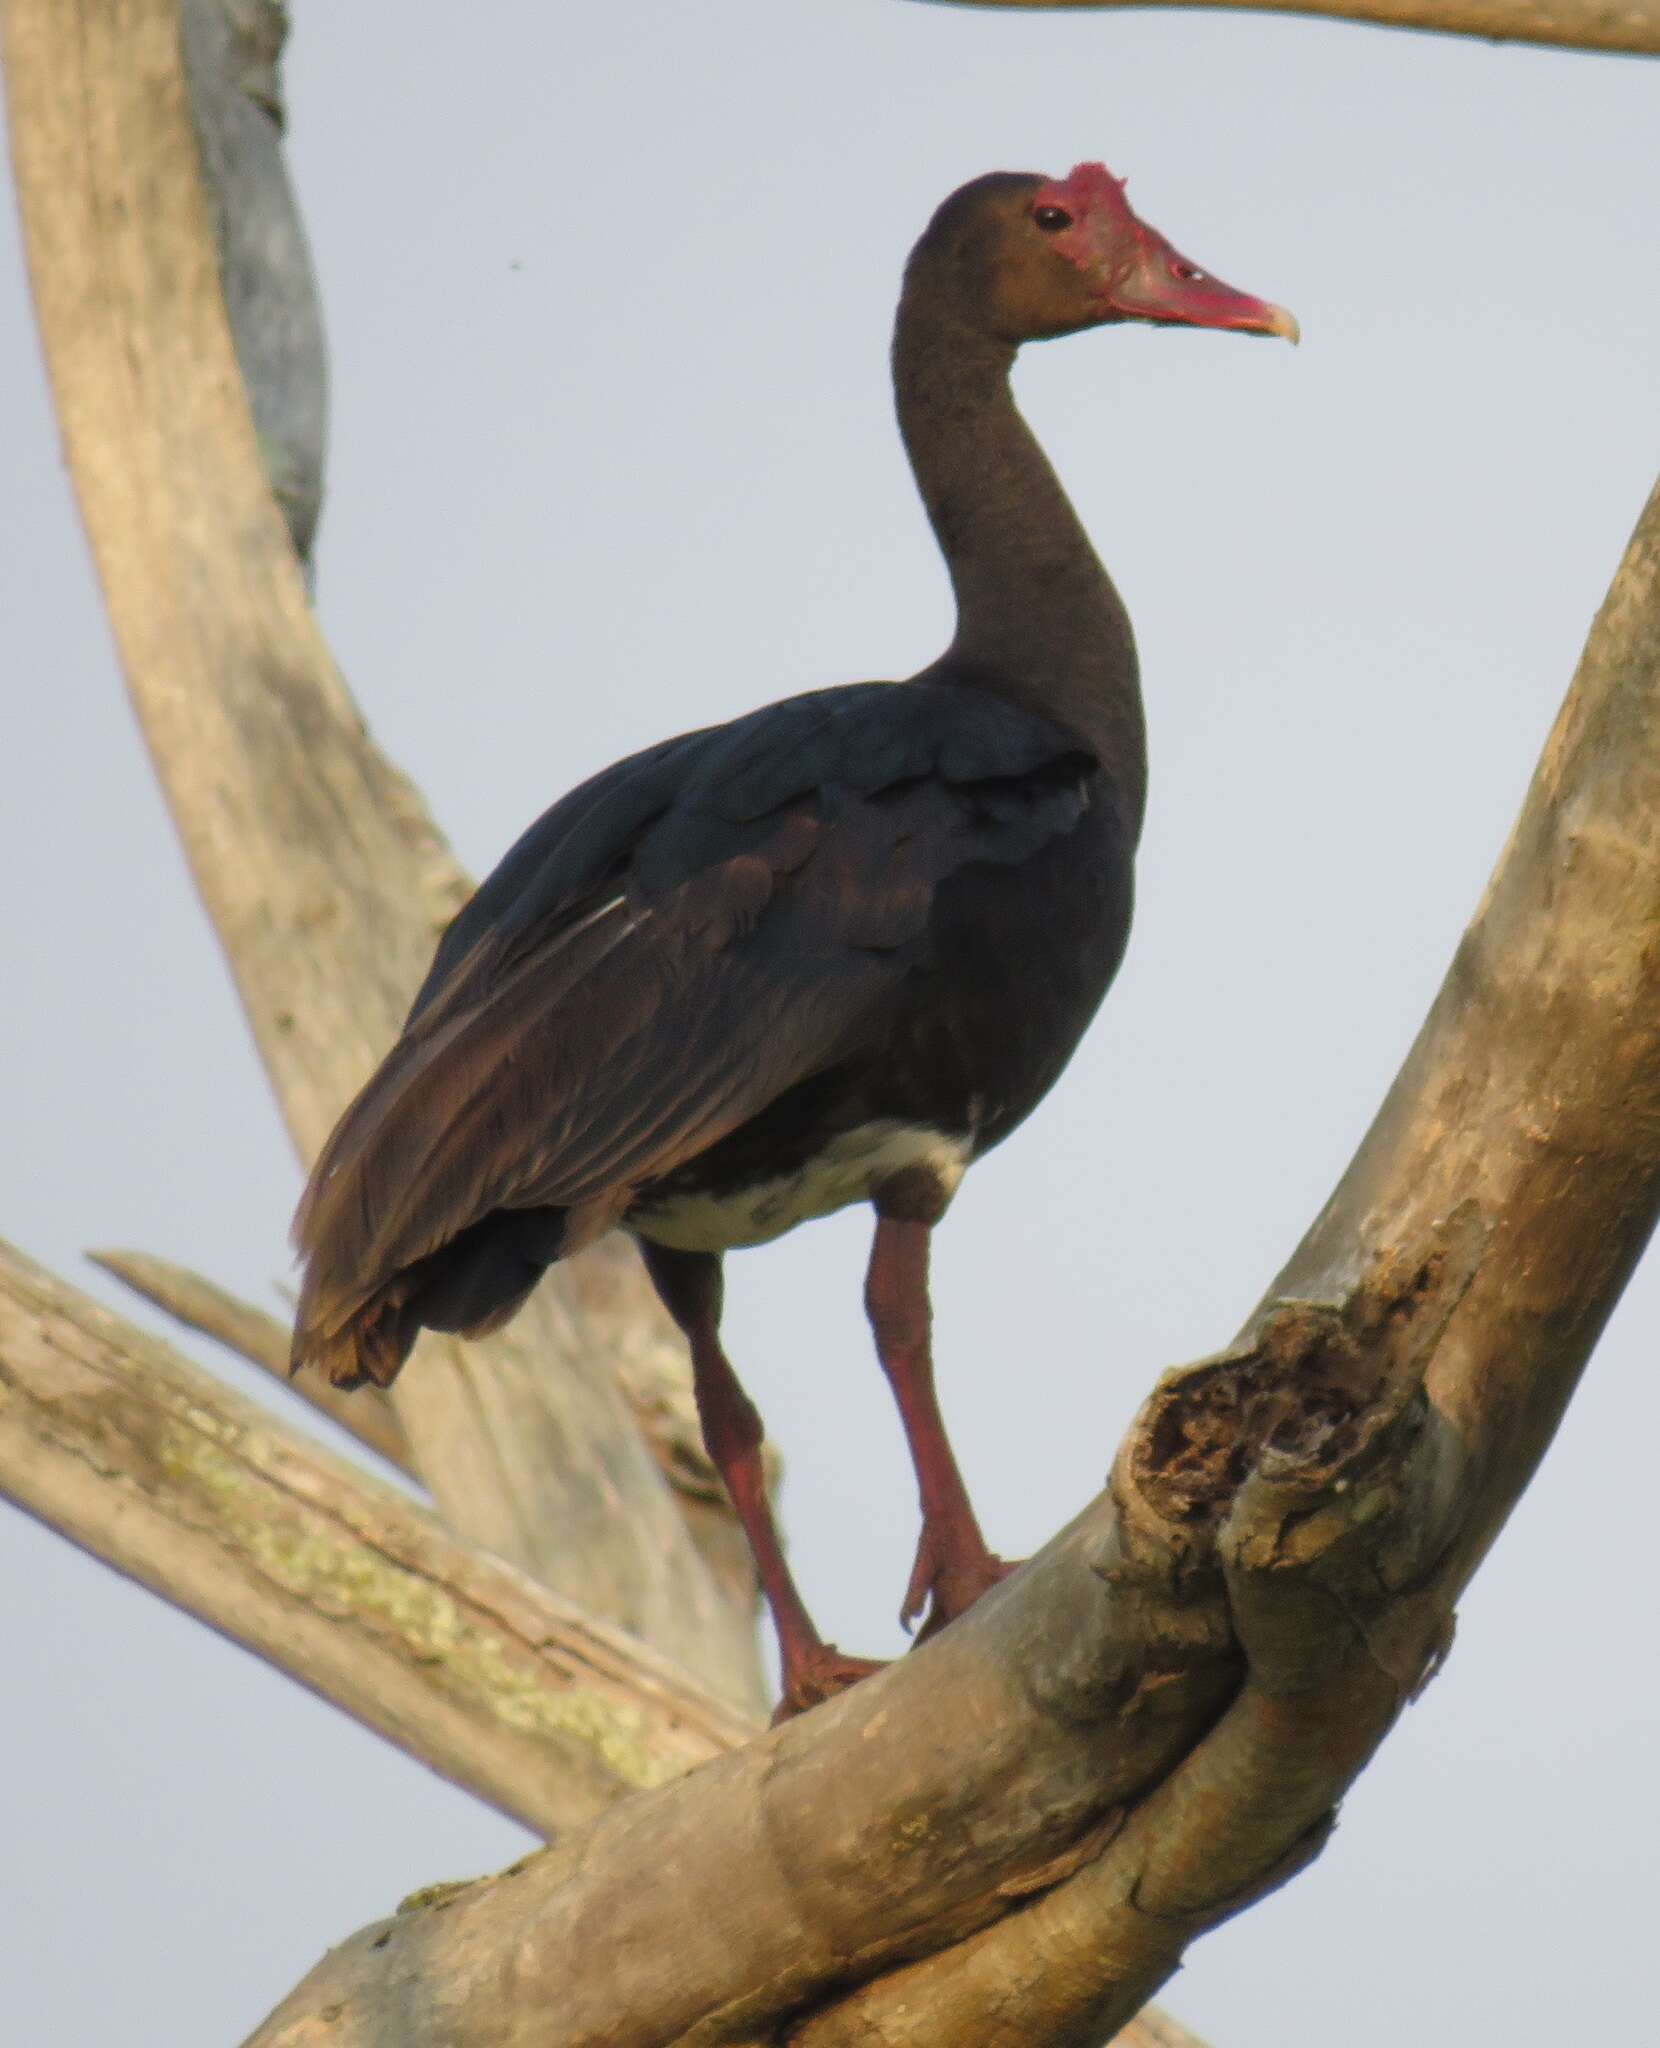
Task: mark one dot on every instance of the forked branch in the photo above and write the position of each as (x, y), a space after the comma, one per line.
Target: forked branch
(1154, 1721)
(332, 1576)
(323, 873)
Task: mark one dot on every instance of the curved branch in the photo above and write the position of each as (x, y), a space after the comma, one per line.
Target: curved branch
(333, 1577)
(323, 874)
(338, 1581)
(231, 51)
(1627, 27)
(1153, 1721)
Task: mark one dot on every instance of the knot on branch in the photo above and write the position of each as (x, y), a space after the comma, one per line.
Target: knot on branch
(1313, 1396)
(1297, 1390)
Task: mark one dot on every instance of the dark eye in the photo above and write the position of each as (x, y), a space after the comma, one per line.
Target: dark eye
(1052, 219)
(1188, 273)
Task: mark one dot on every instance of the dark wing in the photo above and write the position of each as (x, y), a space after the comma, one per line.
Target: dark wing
(659, 957)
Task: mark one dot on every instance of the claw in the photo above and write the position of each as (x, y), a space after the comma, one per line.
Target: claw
(816, 1673)
(945, 1585)
(919, 1588)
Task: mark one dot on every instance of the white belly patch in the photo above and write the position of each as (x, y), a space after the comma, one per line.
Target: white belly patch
(846, 1171)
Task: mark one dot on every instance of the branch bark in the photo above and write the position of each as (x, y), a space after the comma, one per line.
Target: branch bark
(263, 1341)
(481, 1674)
(231, 50)
(322, 872)
(335, 1578)
(1153, 1722)
(342, 1583)
(1628, 27)
(645, 1351)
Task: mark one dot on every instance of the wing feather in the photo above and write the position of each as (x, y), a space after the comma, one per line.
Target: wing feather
(664, 954)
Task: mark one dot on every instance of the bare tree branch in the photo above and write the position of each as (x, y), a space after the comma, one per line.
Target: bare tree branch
(231, 50)
(646, 1351)
(333, 1577)
(340, 1582)
(1631, 27)
(322, 872)
(252, 1334)
(1152, 1723)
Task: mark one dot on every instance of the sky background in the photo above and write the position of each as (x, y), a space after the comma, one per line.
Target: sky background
(608, 293)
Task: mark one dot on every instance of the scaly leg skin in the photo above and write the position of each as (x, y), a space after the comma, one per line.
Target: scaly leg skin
(689, 1284)
(953, 1565)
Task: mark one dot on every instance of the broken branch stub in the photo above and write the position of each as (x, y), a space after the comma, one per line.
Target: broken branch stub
(1219, 1642)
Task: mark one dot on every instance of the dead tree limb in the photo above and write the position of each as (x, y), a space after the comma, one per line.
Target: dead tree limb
(258, 1337)
(323, 874)
(335, 1578)
(342, 1583)
(1154, 1721)
(1629, 27)
(231, 52)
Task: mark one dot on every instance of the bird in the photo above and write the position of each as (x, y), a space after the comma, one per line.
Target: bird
(830, 952)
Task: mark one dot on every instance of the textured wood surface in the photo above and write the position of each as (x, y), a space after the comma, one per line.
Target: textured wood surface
(1152, 1723)
(324, 877)
(338, 1579)
(261, 1339)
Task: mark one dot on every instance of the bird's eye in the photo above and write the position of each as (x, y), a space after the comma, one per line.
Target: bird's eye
(1187, 273)
(1052, 219)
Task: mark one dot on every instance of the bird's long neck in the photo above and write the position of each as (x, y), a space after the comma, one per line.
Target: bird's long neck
(1038, 620)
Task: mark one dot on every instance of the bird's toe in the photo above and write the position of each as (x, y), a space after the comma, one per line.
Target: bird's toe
(945, 1583)
(816, 1674)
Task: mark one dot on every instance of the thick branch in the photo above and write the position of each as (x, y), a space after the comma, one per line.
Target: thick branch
(348, 1587)
(1628, 26)
(1155, 1719)
(335, 1578)
(324, 877)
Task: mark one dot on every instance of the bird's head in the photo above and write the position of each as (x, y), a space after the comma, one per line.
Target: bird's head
(1035, 257)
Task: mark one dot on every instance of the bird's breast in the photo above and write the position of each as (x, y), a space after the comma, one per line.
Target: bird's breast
(724, 1215)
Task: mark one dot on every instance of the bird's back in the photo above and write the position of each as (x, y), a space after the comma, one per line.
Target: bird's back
(888, 905)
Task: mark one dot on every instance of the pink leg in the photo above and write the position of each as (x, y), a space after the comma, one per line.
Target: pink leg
(689, 1284)
(953, 1566)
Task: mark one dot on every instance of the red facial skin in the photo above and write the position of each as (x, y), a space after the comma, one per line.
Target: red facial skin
(1136, 272)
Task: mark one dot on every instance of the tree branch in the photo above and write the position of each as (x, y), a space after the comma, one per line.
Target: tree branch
(252, 1334)
(323, 874)
(1631, 27)
(231, 51)
(1153, 1722)
(333, 1577)
(342, 1583)
(646, 1352)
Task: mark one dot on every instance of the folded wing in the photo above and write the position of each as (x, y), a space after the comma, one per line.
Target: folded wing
(660, 957)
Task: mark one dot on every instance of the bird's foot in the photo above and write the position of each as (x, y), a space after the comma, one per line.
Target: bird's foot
(947, 1579)
(816, 1672)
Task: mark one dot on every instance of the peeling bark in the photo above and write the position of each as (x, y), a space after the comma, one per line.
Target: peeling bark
(231, 51)
(324, 876)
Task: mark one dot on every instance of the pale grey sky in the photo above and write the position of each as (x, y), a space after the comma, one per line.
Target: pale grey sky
(608, 299)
